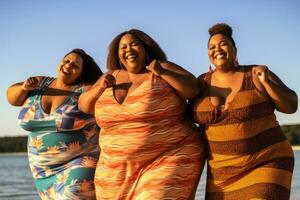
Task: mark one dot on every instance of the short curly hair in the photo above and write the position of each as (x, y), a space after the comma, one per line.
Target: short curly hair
(91, 72)
(221, 28)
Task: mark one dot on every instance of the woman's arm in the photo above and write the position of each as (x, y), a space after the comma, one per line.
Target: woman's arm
(17, 93)
(181, 80)
(284, 98)
(87, 100)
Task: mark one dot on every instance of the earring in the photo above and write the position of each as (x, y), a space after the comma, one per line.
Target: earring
(147, 59)
(211, 67)
(236, 62)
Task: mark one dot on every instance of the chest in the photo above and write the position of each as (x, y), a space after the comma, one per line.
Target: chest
(53, 98)
(223, 90)
(125, 87)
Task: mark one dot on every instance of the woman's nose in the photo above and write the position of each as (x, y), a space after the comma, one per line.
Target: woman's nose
(128, 48)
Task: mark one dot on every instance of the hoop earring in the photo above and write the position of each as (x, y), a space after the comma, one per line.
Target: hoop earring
(236, 62)
(211, 68)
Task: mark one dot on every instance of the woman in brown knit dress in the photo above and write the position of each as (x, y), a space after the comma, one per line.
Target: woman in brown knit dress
(249, 156)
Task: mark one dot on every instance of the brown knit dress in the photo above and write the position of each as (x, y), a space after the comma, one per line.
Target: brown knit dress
(249, 156)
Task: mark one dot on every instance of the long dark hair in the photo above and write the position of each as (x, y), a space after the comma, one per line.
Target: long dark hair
(152, 49)
(90, 70)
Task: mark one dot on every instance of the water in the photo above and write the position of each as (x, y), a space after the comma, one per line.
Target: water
(16, 181)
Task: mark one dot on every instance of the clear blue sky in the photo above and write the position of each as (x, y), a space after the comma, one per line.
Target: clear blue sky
(34, 35)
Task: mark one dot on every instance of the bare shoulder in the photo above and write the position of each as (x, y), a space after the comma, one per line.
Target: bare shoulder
(168, 64)
(173, 67)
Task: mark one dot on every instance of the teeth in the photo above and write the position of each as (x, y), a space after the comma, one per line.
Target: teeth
(131, 56)
(220, 56)
(67, 73)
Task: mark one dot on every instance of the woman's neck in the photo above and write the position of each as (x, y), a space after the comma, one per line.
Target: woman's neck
(226, 70)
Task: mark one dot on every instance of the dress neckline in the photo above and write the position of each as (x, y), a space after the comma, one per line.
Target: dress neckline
(226, 106)
(46, 85)
(129, 93)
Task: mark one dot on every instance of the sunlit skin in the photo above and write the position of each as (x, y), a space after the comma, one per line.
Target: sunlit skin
(70, 68)
(68, 71)
(227, 78)
(221, 52)
(132, 54)
(135, 69)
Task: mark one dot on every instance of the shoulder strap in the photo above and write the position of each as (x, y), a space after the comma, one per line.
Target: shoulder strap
(44, 84)
(248, 83)
(204, 83)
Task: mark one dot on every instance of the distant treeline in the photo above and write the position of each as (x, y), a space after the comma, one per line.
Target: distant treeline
(19, 143)
(13, 144)
(292, 132)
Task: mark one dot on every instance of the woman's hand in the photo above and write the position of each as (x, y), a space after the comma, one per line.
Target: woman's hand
(184, 83)
(155, 68)
(262, 73)
(17, 93)
(87, 100)
(31, 83)
(284, 99)
(105, 81)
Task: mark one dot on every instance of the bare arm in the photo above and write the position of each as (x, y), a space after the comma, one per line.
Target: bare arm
(17, 93)
(284, 98)
(87, 100)
(181, 80)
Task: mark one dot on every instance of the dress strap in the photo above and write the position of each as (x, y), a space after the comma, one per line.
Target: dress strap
(248, 83)
(204, 82)
(44, 85)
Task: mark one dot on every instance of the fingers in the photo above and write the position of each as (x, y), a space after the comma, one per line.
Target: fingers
(110, 80)
(31, 83)
(261, 72)
(260, 69)
(155, 67)
(107, 80)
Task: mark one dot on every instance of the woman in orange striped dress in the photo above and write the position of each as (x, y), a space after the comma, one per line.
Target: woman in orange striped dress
(249, 156)
(150, 150)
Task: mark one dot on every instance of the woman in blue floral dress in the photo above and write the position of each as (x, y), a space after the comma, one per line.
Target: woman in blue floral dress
(63, 142)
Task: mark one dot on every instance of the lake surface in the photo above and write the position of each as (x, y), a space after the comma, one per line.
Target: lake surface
(16, 181)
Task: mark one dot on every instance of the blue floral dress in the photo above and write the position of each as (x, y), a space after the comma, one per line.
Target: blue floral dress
(62, 146)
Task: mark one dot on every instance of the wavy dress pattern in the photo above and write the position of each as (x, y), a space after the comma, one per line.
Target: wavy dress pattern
(249, 156)
(149, 150)
(62, 146)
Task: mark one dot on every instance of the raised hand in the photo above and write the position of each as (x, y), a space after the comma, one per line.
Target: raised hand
(31, 83)
(262, 73)
(106, 80)
(155, 68)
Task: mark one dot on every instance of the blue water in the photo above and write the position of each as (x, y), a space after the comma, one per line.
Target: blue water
(16, 181)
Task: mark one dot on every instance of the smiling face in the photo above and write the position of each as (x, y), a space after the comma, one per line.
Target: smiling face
(70, 68)
(132, 54)
(221, 51)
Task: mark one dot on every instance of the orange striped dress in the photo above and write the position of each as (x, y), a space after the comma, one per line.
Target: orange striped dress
(249, 156)
(150, 150)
